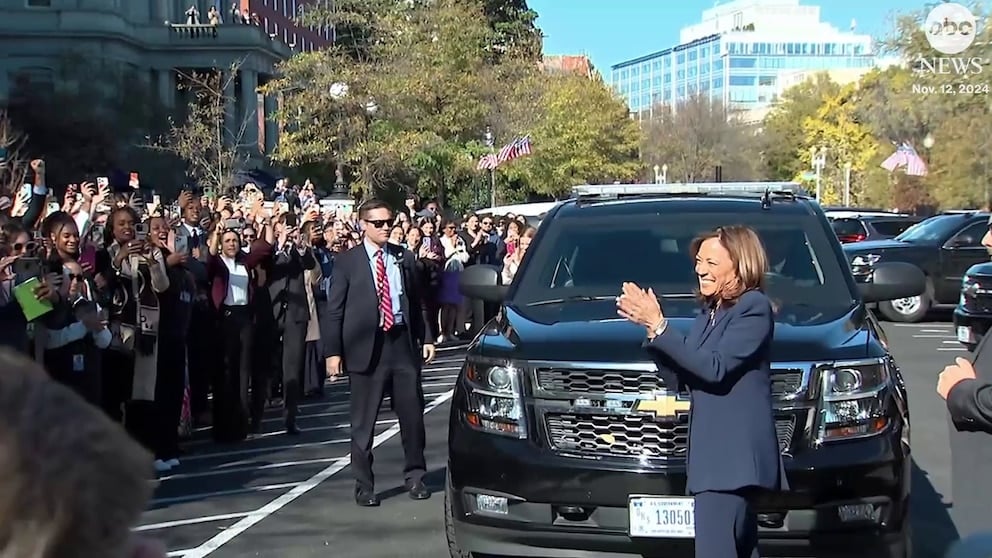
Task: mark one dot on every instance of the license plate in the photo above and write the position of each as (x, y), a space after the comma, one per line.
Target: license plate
(657, 517)
(964, 334)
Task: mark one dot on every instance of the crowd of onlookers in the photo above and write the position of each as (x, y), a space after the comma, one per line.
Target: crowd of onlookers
(147, 309)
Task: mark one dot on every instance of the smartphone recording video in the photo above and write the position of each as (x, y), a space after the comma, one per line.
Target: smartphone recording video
(26, 268)
(233, 225)
(141, 231)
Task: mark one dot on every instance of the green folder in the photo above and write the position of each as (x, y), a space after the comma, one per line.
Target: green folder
(30, 305)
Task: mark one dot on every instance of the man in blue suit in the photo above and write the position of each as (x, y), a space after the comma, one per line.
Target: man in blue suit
(725, 362)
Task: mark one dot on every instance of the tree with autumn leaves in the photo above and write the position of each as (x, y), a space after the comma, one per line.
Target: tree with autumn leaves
(405, 96)
(862, 123)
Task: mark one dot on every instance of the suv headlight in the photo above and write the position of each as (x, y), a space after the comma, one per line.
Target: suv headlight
(494, 396)
(862, 264)
(853, 395)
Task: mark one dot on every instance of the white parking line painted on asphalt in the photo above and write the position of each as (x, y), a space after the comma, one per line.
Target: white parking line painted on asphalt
(951, 342)
(933, 330)
(177, 553)
(282, 432)
(205, 495)
(191, 521)
(952, 349)
(230, 470)
(300, 489)
(263, 449)
(918, 325)
(929, 336)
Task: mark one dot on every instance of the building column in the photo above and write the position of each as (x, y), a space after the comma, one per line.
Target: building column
(165, 81)
(249, 106)
(271, 125)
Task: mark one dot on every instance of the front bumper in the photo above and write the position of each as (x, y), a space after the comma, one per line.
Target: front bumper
(970, 327)
(538, 483)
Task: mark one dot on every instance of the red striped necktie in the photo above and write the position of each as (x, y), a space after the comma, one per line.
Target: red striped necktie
(382, 289)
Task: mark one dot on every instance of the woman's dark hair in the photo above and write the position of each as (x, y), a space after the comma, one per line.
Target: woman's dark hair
(55, 222)
(108, 231)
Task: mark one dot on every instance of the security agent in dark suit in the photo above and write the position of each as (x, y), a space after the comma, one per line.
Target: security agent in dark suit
(374, 330)
(291, 312)
(725, 363)
(967, 388)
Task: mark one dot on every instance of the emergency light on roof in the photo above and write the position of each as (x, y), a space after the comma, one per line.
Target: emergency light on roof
(727, 188)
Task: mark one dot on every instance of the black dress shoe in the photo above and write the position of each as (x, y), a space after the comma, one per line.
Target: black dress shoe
(418, 491)
(366, 499)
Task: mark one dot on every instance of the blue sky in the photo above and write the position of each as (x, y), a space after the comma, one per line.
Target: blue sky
(616, 30)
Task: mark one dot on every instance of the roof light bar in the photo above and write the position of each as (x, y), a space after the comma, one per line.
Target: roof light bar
(606, 190)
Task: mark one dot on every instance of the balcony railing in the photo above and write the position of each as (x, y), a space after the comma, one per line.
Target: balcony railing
(194, 31)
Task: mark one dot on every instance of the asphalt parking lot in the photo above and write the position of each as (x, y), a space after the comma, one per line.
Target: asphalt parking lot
(285, 497)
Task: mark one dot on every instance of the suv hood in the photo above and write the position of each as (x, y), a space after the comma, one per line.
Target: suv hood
(886, 245)
(591, 331)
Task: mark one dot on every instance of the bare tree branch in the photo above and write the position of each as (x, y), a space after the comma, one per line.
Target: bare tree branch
(13, 164)
(212, 150)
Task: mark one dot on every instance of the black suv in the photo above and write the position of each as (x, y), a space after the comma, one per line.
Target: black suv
(551, 444)
(856, 227)
(943, 247)
(973, 314)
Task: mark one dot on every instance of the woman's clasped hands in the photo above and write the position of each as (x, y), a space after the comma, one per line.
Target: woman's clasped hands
(640, 306)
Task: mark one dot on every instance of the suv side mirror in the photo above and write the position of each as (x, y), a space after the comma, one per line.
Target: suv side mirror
(891, 281)
(484, 282)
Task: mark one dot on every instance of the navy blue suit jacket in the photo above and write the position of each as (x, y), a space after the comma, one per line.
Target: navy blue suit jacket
(727, 368)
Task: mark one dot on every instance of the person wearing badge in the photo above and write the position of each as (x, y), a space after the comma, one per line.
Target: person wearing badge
(725, 362)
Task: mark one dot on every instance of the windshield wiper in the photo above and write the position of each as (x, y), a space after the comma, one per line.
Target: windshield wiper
(590, 298)
(575, 298)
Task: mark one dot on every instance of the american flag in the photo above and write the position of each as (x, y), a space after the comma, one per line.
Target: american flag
(516, 148)
(487, 162)
(906, 156)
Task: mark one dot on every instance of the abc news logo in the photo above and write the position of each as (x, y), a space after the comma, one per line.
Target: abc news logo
(950, 28)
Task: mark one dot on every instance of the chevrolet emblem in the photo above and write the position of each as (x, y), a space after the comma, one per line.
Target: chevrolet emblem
(663, 406)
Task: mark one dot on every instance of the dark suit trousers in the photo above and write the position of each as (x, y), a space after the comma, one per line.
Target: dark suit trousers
(202, 354)
(726, 526)
(169, 386)
(394, 363)
(230, 410)
(287, 350)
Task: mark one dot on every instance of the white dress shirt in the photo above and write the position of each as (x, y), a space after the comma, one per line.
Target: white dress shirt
(237, 283)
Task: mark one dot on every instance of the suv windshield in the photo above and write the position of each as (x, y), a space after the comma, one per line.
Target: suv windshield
(588, 258)
(933, 230)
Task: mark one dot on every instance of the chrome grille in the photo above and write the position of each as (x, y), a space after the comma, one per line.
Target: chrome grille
(635, 435)
(785, 382)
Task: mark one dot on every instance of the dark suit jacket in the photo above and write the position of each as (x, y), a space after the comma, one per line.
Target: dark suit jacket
(732, 440)
(197, 267)
(349, 327)
(969, 407)
(287, 285)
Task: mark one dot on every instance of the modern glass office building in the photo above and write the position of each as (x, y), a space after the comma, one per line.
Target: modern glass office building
(737, 53)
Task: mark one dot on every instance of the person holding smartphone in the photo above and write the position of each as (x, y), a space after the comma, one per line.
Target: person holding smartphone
(135, 272)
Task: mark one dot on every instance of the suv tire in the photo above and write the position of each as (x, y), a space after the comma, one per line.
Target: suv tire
(908, 310)
(449, 527)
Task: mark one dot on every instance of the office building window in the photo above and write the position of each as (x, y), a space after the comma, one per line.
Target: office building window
(766, 80)
(741, 80)
(742, 62)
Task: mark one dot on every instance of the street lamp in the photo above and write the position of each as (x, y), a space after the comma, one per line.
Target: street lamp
(847, 184)
(664, 174)
(339, 91)
(657, 174)
(818, 157)
(490, 141)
